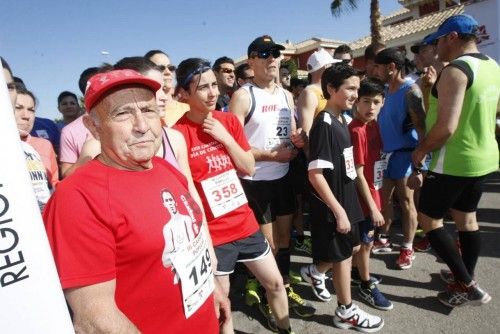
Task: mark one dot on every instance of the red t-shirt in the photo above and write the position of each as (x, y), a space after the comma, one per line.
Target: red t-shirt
(105, 224)
(208, 159)
(367, 145)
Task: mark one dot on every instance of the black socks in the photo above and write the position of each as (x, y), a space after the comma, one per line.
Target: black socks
(470, 245)
(444, 245)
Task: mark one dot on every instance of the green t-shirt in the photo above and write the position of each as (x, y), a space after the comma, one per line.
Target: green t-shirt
(472, 149)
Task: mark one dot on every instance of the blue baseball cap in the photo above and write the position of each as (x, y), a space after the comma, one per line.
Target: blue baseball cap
(462, 24)
(415, 48)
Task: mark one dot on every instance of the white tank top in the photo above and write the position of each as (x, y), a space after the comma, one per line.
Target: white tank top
(267, 125)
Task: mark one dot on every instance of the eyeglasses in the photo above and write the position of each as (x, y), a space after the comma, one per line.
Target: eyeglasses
(248, 78)
(171, 68)
(266, 54)
(226, 70)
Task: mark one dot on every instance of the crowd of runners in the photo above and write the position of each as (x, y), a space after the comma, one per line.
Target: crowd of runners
(168, 179)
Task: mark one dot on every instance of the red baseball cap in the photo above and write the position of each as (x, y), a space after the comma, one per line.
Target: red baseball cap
(100, 83)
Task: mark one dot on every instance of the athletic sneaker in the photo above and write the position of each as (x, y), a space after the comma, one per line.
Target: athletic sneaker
(423, 245)
(405, 259)
(447, 276)
(285, 331)
(381, 246)
(375, 298)
(294, 277)
(317, 282)
(305, 246)
(301, 307)
(268, 314)
(356, 279)
(252, 295)
(358, 319)
(458, 294)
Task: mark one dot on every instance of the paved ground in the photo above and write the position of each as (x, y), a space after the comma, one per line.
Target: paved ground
(413, 291)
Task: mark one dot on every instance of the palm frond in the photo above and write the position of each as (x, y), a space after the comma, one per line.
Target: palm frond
(338, 7)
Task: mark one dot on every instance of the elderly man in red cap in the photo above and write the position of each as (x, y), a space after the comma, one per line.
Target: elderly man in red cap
(108, 223)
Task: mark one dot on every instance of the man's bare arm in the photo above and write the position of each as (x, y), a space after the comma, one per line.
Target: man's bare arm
(95, 310)
(416, 109)
(240, 105)
(306, 106)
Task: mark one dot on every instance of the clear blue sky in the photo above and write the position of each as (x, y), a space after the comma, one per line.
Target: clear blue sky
(49, 43)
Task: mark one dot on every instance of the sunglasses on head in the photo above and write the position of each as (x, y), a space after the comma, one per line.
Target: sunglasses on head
(266, 54)
(226, 70)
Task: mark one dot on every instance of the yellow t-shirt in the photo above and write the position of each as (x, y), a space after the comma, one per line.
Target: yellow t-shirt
(321, 100)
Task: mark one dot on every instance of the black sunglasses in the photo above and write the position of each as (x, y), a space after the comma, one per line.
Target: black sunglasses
(226, 70)
(266, 54)
(171, 68)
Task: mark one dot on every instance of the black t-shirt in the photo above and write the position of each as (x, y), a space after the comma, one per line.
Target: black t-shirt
(327, 141)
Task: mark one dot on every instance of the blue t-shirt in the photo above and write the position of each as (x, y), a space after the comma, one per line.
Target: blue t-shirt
(396, 129)
(46, 128)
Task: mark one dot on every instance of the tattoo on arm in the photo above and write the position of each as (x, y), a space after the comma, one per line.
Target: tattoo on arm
(416, 108)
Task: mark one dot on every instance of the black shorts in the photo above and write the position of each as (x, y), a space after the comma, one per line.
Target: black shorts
(251, 248)
(328, 245)
(269, 199)
(442, 192)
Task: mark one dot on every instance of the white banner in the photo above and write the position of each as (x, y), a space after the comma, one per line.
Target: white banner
(487, 14)
(31, 299)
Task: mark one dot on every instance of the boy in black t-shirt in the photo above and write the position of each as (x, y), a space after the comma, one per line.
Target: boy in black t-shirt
(334, 207)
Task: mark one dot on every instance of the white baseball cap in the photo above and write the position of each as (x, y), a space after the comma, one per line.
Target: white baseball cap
(319, 59)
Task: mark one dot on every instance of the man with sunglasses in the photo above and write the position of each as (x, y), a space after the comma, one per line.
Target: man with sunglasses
(460, 133)
(244, 74)
(266, 111)
(344, 53)
(224, 73)
(173, 108)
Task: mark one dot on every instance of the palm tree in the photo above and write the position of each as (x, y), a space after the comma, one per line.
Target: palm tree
(340, 6)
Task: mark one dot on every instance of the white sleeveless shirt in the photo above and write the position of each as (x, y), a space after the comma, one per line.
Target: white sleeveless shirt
(267, 125)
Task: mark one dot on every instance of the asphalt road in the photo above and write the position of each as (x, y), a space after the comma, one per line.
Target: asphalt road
(413, 291)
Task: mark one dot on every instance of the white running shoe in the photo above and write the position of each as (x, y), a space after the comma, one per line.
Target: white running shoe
(358, 319)
(317, 282)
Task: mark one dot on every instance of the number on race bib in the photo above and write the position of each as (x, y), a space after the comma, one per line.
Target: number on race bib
(281, 131)
(205, 264)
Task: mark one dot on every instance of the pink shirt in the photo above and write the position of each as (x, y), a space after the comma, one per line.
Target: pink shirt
(48, 156)
(73, 136)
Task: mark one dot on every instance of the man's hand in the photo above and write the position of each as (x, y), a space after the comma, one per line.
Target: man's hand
(429, 77)
(283, 153)
(298, 138)
(418, 158)
(343, 224)
(377, 218)
(214, 128)
(222, 305)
